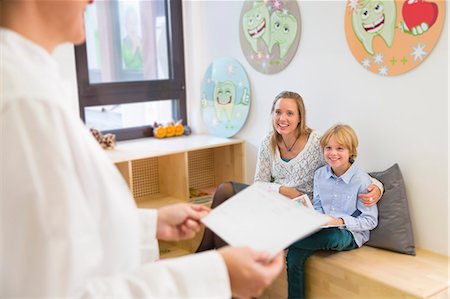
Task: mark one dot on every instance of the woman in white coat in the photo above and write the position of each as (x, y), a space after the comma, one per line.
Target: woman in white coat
(68, 223)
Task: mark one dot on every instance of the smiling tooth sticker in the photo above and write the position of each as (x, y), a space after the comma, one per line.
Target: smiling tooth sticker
(283, 31)
(374, 18)
(225, 97)
(255, 23)
(269, 32)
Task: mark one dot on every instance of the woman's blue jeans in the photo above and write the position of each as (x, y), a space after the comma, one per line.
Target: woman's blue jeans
(326, 239)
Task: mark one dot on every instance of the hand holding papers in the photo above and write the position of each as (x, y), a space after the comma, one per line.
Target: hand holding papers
(304, 201)
(263, 220)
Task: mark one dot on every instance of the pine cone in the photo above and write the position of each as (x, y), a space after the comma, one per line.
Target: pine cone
(108, 141)
(97, 135)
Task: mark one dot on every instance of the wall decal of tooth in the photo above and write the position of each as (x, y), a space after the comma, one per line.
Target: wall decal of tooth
(283, 30)
(391, 37)
(225, 97)
(269, 32)
(374, 18)
(254, 25)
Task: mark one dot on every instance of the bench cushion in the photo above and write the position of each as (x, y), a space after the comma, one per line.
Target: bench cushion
(394, 230)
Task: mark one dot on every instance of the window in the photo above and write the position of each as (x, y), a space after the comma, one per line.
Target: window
(130, 70)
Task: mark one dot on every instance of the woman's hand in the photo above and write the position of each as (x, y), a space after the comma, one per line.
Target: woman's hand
(372, 196)
(290, 192)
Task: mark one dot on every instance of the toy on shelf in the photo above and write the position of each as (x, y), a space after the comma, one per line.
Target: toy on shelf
(159, 131)
(200, 196)
(170, 130)
(107, 141)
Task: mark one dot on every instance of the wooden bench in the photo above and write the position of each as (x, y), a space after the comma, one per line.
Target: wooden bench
(368, 272)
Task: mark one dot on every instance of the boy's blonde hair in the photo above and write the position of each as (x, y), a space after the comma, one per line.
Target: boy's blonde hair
(345, 136)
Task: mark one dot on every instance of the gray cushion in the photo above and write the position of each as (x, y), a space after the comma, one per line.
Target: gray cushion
(394, 230)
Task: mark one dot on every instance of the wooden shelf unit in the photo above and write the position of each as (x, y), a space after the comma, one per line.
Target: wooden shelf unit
(162, 171)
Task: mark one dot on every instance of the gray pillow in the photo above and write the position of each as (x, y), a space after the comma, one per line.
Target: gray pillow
(394, 230)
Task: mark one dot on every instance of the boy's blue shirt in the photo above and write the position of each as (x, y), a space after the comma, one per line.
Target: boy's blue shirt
(338, 197)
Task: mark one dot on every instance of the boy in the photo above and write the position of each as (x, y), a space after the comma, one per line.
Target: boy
(336, 189)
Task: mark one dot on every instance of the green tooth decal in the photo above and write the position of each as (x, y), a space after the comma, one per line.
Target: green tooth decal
(283, 31)
(374, 18)
(255, 25)
(224, 98)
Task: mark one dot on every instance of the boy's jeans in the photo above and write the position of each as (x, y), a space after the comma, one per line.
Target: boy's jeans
(326, 239)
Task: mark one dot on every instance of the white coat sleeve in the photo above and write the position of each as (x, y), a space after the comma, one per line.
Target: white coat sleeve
(201, 275)
(52, 229)
(149, 244)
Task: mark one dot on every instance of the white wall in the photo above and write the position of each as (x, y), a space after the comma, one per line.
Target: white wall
(401, 119)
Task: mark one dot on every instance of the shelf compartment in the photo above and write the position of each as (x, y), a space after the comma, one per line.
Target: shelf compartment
(207, 168)
(228, 163)
(201, 171)
(125, 170)
(156, 201)
(173, 249)
(160, 177)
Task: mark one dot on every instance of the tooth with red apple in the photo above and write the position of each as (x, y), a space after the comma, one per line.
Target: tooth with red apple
(374, 18)
(418, 16)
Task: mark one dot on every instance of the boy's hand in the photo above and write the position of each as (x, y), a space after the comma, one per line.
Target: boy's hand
(335, 221)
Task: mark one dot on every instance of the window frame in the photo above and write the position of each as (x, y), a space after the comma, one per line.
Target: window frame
(114, 93)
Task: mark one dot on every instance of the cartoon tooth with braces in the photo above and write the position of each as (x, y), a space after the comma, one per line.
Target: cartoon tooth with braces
(374, 18)
(255, 24)
(283, 31)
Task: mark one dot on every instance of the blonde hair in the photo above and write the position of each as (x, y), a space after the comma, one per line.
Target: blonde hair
(345, 136)
(302, 128)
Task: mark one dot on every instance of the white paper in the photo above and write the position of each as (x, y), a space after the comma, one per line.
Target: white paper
(263, 220)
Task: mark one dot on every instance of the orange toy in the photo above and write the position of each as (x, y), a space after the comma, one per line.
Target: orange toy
(179, 129)
(170, 130)
(159, 132)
